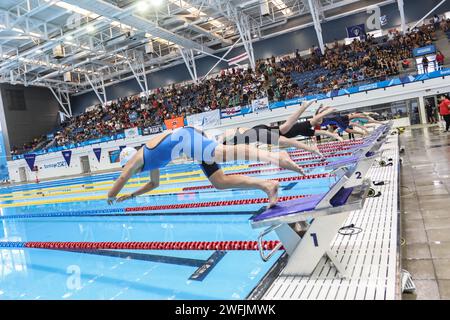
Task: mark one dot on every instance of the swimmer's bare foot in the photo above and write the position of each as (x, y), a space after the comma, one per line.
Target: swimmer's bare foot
(287, 163)
(270, 187)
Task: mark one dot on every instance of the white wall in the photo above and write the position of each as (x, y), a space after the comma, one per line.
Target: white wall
(374, 97)
(53, 165)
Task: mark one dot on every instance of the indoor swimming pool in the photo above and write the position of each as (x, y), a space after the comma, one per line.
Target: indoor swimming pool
(184, 208)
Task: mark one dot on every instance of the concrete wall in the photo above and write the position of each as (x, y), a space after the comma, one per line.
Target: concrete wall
(40, 116)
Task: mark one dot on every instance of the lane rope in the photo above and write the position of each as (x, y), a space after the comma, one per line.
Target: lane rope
(124, 211)
(145, 245)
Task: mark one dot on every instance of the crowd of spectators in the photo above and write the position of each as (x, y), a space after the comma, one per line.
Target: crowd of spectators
(342, 66)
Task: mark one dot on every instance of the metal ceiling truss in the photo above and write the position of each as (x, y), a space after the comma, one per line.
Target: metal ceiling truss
(138, 70)
(189, 59)
(315, 12)
(98, 86)
(63, 99)
(108, 45)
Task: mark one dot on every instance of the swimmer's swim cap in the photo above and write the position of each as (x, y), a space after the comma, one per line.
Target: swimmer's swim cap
(126, 154)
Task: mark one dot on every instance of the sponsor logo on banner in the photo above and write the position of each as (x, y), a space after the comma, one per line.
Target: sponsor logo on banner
(92, 108)
(30, 159)
(204, 120)
(417, 52)
(356, 31)
(67, 154)
(368, 87)
(174, 123)
(97, 152)
(131, 133)
(260, 105)
(229, 112)
(152, 130)
(58, 164)
(114, 156)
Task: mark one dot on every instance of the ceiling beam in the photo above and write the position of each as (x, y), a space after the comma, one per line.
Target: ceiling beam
(129, 16)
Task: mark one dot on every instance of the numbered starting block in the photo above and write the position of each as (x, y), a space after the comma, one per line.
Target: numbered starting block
(323, 214)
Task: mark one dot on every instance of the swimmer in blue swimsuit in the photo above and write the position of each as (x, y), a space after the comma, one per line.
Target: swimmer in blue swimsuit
(343, 122)
(159, 151)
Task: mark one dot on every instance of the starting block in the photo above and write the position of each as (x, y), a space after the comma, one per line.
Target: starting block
(327, 212)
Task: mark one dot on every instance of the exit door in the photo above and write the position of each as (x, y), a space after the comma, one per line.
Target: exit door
(85, 165)
(22, 174)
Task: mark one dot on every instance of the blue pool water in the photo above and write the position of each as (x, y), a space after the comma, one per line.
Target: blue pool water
(134, 274)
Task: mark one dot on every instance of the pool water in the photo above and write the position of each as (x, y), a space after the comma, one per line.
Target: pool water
(76, 210)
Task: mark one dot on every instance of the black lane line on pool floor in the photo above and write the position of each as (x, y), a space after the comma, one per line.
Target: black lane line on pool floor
(201, 273)
(290, 186)
(204, 267)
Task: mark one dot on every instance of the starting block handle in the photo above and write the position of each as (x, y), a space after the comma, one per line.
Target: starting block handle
(266, 257)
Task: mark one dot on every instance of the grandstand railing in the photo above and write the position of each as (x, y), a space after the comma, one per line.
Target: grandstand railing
(342, 92)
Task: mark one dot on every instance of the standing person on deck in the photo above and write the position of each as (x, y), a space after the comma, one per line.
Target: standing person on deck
(430, 112)
(425, 64)
(444, 111)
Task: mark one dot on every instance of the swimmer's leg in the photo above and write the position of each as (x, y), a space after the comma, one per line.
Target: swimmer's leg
(317, 119)
(328, 134)
(225, 153)
(293, 118)
(287, 142)
(221, 181)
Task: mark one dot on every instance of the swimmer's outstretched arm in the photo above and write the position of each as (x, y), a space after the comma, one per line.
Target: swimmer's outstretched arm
(372, 120)
(328, 134)
(133, 166)
(149, 186)
(357, 115)
(371, 113)
(292, 119)
(348, 130)
(119, 184)
(361, 127)
(290, 142)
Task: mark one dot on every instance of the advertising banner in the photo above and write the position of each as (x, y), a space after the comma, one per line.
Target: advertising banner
(131, 133)
(67, 154)
(152, 130)
(231, 112)
(260, 105)
(30, 159)
(205, 119)
(97, 152)
(417, 52)
(174, 123)
(356, 31)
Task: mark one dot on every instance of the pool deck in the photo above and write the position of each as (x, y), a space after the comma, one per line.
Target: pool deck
(371, 258)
